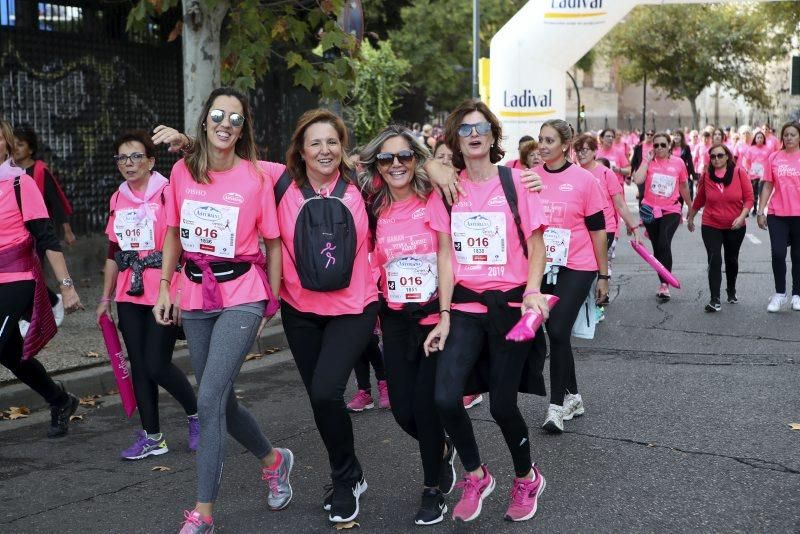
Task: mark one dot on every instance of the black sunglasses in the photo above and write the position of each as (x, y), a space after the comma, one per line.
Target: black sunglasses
(660, 145)
(650, 134)
(386, 159)
(135, 157)
(483, 128)
(718, 156)
(217, 115)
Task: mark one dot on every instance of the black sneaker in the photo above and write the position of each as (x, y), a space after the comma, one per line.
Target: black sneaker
(59, 416)
(432, 508)
(447, 471)
(732, 296)
(713, 306)
(344, 501)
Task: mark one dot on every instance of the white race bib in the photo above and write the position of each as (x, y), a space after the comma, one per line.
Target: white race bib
(662, 185)
(757, 170)
(131, 233)
(209, 228)
(412, 278)
(556, 244)
(479, 238)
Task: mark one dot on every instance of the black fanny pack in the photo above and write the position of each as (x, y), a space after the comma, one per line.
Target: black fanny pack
(224, 271)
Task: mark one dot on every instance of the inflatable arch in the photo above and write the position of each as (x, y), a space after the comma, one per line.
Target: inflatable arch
(530, 56)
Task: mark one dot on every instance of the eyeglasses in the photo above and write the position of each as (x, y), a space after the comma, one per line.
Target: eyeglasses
(385, 159)
(718, 156)
(584, 150)
(660, 145)
(217, 115)
(483, 128)
(122, 159)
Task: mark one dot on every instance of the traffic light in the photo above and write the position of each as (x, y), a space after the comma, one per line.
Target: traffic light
(583, 112)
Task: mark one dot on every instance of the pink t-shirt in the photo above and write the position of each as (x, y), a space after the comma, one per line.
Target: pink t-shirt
(616, 156)
(610, 187)
(240, 196)
(362, 289)
(568, 196)
(484, 207)
(12, 230)
(514, 164)
(405, 251)
(783, 170)
(662, 184)
(755, 160)
(773, 143)
(121, 207)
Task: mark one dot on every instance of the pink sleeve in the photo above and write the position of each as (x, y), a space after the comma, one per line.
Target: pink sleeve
(768, 169)
(170, 194)
(747, 188)
(613, 185)
(532, 213)
(683, 174)
(268, 217)
(436, 214)
(33, 206)
(595, 200)
(273, 170)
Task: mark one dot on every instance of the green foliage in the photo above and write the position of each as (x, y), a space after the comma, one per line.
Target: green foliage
(260, 33)
(379, 80)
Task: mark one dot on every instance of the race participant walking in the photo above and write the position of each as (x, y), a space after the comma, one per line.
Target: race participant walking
(483, 275)
(137, 226)
(218, 203)
(577, 242)
(664, 179)
(614, 152)
(754, 161)
(519, 163)
(681, 149)
(25, 236)
(725, 194)
(529, 154)
(640, 152)
(781, 190)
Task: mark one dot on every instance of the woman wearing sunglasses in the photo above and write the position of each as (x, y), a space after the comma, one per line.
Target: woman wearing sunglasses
(219, 204)
(137, 226)
(490, 260)
(781, 190)
(754, 161)
(726, 196)
(665, 179)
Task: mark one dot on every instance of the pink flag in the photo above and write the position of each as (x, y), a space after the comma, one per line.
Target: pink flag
(526, 328)
(657, 266)
(122, 371)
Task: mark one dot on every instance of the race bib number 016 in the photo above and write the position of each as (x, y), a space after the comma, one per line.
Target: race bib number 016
(133, 234)
(479, 238)
(662, 185)
(411, 278)
(209, 228)
(556, 244)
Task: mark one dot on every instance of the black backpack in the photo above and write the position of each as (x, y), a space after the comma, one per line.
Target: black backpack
(324, 237)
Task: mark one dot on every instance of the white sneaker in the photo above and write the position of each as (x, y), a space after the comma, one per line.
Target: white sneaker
(573, 406)
(796, 302)
(23, 327)
(58, 311)
(776, 302)
(554, 423)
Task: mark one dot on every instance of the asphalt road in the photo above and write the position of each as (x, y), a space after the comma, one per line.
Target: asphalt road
(687, 429)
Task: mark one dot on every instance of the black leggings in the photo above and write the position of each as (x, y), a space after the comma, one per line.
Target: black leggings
(571, 288)
(784, 231)
(716, 241)
(372, 355)
(661, 232)
(463, 347)
(15, 299)
(325, 349)
(411, 385)
(756, 190)
(150, 346)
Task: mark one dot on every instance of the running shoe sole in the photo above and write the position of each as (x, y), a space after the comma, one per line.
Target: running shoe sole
(359, 410)
(359, 490)
(158, 451)
(486, 493)
(435, 521)
(577, 413)
(551, 428)
(452, 475)
(477, 400)
(290, 458)
(539, 491)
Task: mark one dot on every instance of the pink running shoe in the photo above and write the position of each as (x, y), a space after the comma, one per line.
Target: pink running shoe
(525, 497)
(196, 524)
(383, 394)
(360, 402)
(472, 400)
(475, 490)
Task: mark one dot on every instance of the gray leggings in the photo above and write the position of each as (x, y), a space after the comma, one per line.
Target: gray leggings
(218, 344)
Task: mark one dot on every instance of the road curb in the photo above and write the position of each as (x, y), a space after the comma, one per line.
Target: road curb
(99, 380)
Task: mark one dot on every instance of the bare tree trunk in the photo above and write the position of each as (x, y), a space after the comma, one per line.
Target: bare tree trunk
(695, 118)
(201, 56)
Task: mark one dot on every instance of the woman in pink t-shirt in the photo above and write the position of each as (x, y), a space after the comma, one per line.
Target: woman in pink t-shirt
(614, 153)
(136, 228)
(782, 190)
(664, 179)
(754, 161)
(26, 231)
(219, 206)
(484, 279)
(576, 241)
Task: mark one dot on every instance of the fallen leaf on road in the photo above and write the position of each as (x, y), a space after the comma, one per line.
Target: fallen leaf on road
(17, 412)
(272, 350)
(343, 526)
(795, 426)
(650, 445)
(161, 468)
(112, 392)
(91, 400)
(253, 356)
(92, 354)
(75, 418)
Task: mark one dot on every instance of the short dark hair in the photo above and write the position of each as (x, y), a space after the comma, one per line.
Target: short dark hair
(453, 122)
(525, 139)
(585, 140)
(139, 136)
(27, 134)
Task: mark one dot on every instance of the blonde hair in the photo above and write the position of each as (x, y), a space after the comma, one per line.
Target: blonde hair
(7, 133)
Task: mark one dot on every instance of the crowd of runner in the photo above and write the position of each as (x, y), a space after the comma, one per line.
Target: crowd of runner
(413, 255)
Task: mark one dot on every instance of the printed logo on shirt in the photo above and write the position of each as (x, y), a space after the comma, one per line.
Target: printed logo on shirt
(347, 198)
(233, 198)
(418, 214)
(208, 213)
(195, 192)
(555, 212)
(464, 204)
(499, 200)
(386, 221)
(566, 188)
(478, 222)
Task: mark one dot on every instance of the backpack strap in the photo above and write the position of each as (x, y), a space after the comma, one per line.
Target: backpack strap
(282, 185)
(340, 188)
(507, 181)
(18, 193)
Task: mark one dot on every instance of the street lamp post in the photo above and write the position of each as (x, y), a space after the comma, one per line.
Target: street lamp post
(476, 45)
(578, 97)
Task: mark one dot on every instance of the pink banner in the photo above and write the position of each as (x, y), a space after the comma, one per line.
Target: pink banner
(122, 371)
(526, 327)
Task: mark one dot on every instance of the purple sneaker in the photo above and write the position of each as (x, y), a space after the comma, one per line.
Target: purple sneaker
(144, 447)
(194, 432)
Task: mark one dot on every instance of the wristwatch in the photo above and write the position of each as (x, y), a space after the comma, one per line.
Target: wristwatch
(67, 282)
(604, 277)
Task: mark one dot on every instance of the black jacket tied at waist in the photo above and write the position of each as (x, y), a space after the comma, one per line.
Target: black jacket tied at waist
(413, 313)
(129, 259)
